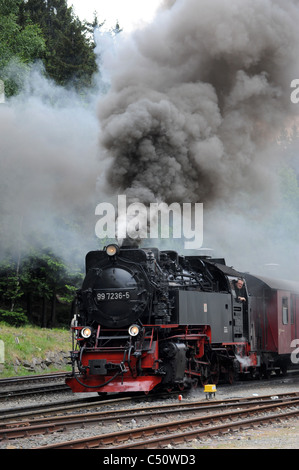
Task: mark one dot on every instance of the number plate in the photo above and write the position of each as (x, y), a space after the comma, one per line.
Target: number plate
(123, 295)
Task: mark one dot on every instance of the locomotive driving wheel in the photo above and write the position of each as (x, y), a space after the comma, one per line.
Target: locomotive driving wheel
(230, 376)
(204, 375)
(194, 384)
(215, 369)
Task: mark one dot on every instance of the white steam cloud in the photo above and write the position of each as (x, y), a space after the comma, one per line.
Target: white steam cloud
(49, 167)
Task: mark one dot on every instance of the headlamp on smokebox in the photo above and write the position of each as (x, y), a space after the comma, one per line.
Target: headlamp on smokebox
(86, 332)
(134, 330)
(112, 250)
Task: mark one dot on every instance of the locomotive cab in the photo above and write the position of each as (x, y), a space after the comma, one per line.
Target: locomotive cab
(240, 308)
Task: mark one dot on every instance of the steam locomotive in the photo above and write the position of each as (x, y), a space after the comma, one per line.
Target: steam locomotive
(150, 319)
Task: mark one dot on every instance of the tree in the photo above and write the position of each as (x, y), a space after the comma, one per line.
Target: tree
(19, 45)
(46, 278)
(36, 285)
(10, 287)
(69, 49)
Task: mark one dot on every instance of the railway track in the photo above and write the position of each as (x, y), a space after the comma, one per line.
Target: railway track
(30, 388)
(66, 406)
(34, 390)
(32, 378)
(23, 385)
(163, 433)
(186, 436)
(175, 432)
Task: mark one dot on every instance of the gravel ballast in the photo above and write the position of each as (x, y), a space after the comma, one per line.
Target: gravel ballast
(280, 435)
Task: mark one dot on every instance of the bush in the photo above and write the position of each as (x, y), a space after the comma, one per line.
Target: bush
(16, 318)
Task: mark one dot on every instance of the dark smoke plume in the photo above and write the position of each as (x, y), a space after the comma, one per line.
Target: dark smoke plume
(196, 102)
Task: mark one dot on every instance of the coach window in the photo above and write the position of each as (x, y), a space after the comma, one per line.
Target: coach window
(285, 311)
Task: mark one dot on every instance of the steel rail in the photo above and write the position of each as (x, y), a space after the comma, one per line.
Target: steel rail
(211, 431)
(115, 438)
(14, 429)
(32, 378)
(47, 409)
(33, 390)
(21, 429)
(69, 406)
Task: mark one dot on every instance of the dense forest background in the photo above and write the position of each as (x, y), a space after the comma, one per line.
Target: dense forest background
(37, 285)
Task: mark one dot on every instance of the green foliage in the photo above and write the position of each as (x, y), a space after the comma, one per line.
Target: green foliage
(69, 50)
(19, 44)
(69, 294)
(10, 287)
(45, 30)
(45, 273)
(8, 7)
(37, 283)
(16, 318)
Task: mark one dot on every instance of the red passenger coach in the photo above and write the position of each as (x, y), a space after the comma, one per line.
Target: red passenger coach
(274, 321)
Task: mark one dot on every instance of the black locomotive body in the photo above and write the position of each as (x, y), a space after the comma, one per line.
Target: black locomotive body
(149, 318)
